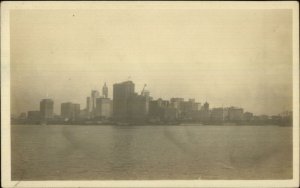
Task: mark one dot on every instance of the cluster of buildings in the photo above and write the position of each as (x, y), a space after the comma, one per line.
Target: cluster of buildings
(132, 107)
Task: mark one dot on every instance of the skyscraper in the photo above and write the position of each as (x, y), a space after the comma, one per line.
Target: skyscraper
(138, 107)
(94, 96)
(103, 108)
(105, 91)
(67, 111)
(46, 108)
(121, 93)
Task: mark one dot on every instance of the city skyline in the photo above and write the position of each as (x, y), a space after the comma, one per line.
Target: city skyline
(227, 57)
(101, 94)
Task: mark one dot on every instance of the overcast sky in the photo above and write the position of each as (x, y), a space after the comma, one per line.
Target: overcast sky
(228, 57)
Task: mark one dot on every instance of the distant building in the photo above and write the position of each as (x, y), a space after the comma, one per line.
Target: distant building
(216, 115)
(89, 107)
(70, 111)
(138, 107)
(171, 114)
(197, 106)
(263, 118)
(103, 108)
(235, 114)
(121, 93)
(22, 116)
(205, 113)
(94, 95)
(76, 111)
(83, 114)
(177, 104)
(176, 99)
(46, 109)
(276, 119)
(157, 108)
(34, 116)
(67, 111)
(187, 108)
(105, 91)
(248, 116)
(205, 106)
(287, 118)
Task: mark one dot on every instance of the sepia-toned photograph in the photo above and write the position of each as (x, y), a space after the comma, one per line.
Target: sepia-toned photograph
(150, 92)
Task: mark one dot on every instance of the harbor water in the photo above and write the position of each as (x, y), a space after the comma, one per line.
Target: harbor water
(81, 152)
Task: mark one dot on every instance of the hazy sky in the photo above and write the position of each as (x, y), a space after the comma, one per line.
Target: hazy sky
(227, 57)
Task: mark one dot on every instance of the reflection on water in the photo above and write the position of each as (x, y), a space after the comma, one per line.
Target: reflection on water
(121, 153)
(66, 152)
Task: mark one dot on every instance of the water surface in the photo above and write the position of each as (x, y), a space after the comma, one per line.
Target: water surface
(73, 152)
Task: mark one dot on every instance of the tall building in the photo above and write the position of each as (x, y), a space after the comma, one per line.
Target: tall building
(105, 91)
(67, 111)
(103, 108)
(46, 108)
(94, 95)
(70, 111)
(138, 107)
(121, 93)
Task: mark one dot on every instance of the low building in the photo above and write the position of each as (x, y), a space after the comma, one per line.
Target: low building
(157, 108)
(205, 113)
(248, 116)
(235, 114)
(34, 116)
(277, 120)
(216, 115)
(187, 109)
(171, 114)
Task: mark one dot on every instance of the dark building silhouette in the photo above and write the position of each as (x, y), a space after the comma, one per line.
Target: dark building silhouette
(46, 109)
(121, 93)
(138, 107)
